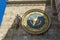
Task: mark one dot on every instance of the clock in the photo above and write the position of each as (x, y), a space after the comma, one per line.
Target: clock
(35, 21)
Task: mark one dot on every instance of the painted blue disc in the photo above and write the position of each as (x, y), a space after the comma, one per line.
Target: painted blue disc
(35, 21)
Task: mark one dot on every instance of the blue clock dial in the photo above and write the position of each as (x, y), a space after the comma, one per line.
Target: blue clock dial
(35, 21)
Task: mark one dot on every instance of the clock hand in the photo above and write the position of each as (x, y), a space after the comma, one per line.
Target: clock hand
(34, 21)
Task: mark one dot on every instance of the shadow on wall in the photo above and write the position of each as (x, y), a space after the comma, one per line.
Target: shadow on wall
(13, 31)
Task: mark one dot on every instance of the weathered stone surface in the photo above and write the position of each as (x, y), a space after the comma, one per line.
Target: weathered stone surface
(11, 13)
(8, 31)
(26, 0)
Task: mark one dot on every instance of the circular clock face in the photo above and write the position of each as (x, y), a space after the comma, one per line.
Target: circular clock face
(35, 21)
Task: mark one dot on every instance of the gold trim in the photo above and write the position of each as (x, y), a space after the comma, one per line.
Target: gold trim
(28, 13)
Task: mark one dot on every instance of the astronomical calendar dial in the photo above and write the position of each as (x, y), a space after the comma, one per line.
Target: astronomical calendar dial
(35, 21)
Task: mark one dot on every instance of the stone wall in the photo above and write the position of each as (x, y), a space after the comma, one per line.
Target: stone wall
(26, 0)
(9, 33)
(11, 12)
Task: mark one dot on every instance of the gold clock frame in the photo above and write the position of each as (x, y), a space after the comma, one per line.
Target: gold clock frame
(36, 31)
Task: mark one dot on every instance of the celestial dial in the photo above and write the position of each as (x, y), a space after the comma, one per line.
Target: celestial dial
(35, 21)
